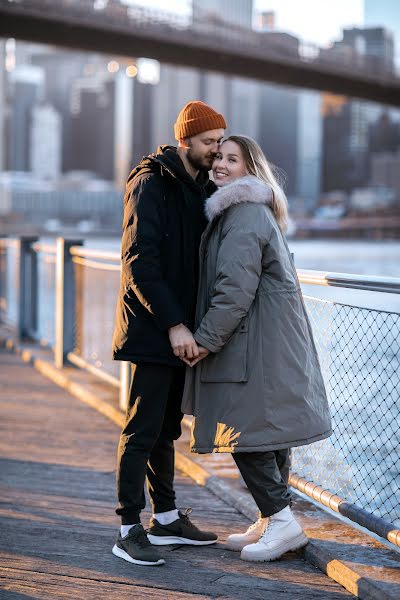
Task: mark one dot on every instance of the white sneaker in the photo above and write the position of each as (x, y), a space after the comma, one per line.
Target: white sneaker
(282, 534)
(237, 541)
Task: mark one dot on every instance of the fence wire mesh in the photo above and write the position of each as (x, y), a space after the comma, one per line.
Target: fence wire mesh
(96, 288)
(359, 354)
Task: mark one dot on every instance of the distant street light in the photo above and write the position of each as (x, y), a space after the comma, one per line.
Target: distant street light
(131, 71)
(113, 66)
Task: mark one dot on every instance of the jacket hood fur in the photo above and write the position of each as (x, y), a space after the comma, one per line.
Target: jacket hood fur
(245, 189)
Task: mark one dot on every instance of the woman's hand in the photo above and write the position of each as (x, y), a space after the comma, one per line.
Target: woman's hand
(203, 352)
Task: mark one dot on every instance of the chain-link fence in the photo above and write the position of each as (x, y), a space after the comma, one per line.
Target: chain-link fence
(359, 355)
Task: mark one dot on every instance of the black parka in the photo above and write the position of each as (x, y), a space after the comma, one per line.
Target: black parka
(162, 226)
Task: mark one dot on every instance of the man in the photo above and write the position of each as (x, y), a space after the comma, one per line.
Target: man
(163, 222)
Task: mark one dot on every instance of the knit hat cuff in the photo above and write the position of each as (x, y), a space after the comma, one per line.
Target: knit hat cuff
(197, 125)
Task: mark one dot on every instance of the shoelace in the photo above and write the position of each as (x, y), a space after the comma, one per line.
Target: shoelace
(184, 515)
(255, 525)
(140, 538)
(270, 525)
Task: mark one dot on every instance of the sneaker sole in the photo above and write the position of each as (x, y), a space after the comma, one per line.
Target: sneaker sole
(122, 554)
(300, 541)
(158, 540)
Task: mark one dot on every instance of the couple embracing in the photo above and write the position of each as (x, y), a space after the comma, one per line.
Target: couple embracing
(225, 338)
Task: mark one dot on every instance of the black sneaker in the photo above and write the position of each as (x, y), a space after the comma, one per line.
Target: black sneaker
(136, 548)
(181, 531)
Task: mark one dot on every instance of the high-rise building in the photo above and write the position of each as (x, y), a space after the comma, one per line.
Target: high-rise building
(385, 13)
(347, 123)
(309, 148)
(92, 126)
(345, 144)
(291, 129)
(375, 43)
(61, 68)
(24, 90)
(45, 142)
(278, 134)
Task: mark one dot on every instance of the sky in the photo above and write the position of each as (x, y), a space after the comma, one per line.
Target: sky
(317, 21)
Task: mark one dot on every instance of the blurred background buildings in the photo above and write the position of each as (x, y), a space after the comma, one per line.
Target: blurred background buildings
(72, 125)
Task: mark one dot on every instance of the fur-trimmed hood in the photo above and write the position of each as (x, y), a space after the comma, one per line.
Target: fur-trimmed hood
(245, 189)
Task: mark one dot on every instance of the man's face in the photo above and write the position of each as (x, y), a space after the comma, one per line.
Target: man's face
(202, 148)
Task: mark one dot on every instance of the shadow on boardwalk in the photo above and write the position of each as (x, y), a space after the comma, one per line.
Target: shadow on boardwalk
(57, 521)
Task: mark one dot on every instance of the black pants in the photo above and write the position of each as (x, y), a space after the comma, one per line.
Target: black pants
(146, 447)
(266, 475)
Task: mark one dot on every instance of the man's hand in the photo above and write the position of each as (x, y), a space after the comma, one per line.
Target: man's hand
(203, 352)
(183, 343)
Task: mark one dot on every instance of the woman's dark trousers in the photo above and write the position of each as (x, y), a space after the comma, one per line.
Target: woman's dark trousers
(266, 475)
(146, 447)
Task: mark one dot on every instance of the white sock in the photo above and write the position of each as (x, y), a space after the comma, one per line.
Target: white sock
(165, 518)
(126, 528)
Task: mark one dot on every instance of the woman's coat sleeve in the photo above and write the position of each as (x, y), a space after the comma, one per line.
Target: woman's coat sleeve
(239, 265)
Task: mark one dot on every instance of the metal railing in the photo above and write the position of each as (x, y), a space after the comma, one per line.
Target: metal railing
(66, 296)
(355, 472)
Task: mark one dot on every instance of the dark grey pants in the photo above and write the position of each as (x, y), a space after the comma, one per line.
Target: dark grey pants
(266, 475)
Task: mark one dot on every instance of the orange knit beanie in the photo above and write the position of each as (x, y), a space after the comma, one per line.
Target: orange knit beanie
(195, 118)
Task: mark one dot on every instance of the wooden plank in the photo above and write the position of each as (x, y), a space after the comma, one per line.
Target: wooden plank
(57, 519)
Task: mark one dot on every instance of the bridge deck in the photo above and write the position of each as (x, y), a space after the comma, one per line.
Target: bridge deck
(57, 521)
(241, 54)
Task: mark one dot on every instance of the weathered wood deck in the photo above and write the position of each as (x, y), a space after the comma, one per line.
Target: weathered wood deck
(57, 521)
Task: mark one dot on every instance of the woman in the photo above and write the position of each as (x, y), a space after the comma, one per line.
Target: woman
(257, 390)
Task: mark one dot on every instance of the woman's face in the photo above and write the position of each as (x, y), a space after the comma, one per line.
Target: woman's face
(228, 164)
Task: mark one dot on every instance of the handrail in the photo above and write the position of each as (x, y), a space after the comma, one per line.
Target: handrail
(371, 283)
(355, 513)
(93, 253)
(93, 264)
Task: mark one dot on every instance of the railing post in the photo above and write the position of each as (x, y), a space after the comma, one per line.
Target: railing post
(65, 301)
(28, 289)
(125, 380)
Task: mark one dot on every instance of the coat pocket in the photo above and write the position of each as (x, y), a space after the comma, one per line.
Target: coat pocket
(230, 364)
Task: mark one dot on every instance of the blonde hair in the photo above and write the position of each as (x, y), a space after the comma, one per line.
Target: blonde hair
(257, 165)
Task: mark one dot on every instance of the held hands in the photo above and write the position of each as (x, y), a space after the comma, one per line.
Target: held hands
(203, 352)
(184, 345)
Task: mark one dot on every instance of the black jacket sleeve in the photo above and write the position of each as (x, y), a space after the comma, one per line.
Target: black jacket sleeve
(142, 238)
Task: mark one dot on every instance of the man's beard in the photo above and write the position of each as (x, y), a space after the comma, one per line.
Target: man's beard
(199, 162)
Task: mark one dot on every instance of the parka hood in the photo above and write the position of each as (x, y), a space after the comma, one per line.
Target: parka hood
(245, 189)
(167, 158)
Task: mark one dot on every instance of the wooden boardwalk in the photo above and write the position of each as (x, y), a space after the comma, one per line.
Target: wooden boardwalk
(57, 520)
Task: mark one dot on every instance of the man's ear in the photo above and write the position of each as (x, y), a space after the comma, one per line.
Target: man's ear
(184, 142)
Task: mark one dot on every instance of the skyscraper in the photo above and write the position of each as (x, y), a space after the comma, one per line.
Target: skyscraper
(347, 122)
(24, 90)
(375, 43)
(45, 142)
